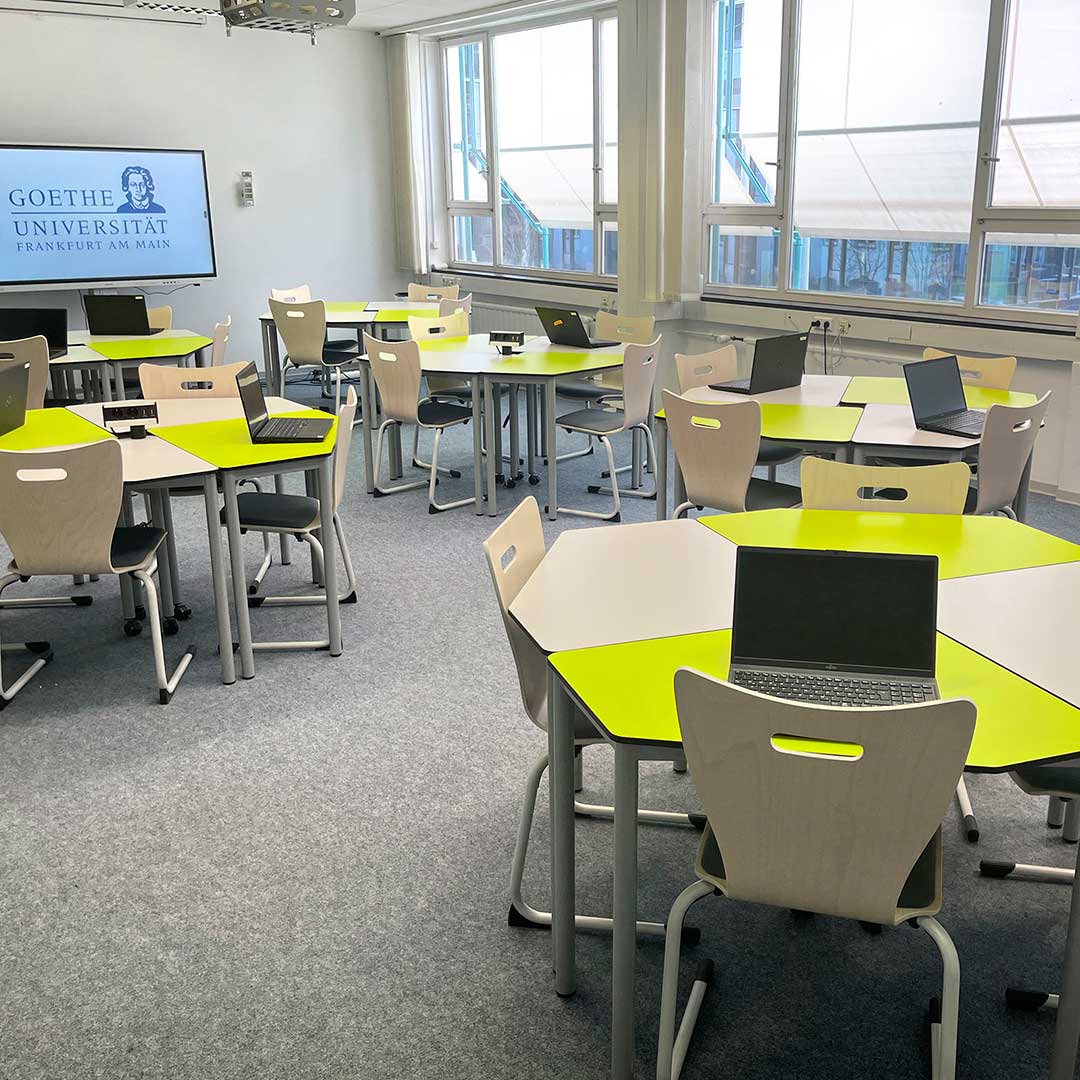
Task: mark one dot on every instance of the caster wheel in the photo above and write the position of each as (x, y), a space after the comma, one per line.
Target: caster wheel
(534, 480)
(169, 627)
(182, 612)
(511, 483)
(140, 611)
(132, 627)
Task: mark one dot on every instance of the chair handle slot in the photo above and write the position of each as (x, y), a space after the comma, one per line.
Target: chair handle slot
(819, 749)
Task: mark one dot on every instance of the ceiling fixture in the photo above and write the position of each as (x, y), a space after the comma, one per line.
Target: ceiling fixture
(289, 16)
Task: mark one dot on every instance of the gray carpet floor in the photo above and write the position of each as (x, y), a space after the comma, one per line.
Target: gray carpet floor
(305, 875)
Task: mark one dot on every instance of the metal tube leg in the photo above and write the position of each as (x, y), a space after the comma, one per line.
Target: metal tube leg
(561, 794)
(1071, 833)
(971, 826)
(579, 770)
(624, 913)
(1055, 813)
(168, 600)
(944, 1050)
(478, 441)
(1067, 1032)
(543, 400)
(310, 484)
(118, 375)
(514, 473)
(635, 458)
(217, 574)
(494, 404)
(367, 417)
(552, 462)
(530, 431)
(328, 541)
(489, 442)
(179, 609)
(1021, 500)
(239, 582)
(283, 539)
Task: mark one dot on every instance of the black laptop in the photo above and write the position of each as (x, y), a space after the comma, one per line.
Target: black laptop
(120, 316)
(14, 385)
(49, 323)
(563, 326)
(275, 429)
(936, 393)
(835, 627)
(779, 363)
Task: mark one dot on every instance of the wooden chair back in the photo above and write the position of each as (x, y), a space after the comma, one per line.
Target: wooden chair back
(455, 325)
(993, 372)
(58, 508)
(513, 551)
(1008, 439)
(432, 294)
(720, 365)
(834, 829)
(302, 327)
(632, 329)
(449, 306)
(395, 366)
(159, 318)
(157, 382)
(716, 445)
(301, 294)
(346, 416)
(35, 352)
(222, 330)
(638, 382)
(928, 489)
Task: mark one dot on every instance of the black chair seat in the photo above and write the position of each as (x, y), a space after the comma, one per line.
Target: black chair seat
(592, 421)
(1062, 778)
(771, 495)
(441, 413)
(585, 391)
(268, 509)
(776, 453)
(132, 545)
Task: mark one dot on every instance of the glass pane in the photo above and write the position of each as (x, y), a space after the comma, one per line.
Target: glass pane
(889, 98)
(743, 256)
(544, 93)
(472, 239)
(1035, 272)
(609, 253)
(1039, 137)
(609, 110)
(465, 115)
(748, 44)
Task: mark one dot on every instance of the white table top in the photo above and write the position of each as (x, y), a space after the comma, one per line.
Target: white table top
(604, 586)
(813, 390)
(78, 356)
(892, 425)
(84, 337)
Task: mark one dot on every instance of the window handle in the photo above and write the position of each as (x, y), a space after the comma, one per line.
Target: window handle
(988, 159)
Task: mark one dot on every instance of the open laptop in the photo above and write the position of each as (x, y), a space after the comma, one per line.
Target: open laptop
(107, 316)
(49, 323)
(936, 392)
(563, 326)
(779, 363)
(275, 429)
(14, 384)
(835, 627)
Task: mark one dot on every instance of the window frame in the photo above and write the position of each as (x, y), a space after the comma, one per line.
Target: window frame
(985, 217)
(603, 212)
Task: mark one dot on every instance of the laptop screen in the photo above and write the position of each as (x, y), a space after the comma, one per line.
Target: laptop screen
(934, 388)
(251, 397)
(50, 323)
(822, 609)
(14, 382)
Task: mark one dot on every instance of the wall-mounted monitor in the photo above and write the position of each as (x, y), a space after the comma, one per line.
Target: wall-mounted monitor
(84, 216)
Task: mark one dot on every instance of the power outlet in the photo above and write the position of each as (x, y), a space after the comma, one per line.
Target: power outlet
(840, 327)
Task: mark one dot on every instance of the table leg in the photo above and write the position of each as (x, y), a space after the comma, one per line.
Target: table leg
(530, 432)
(397, 469)
(543, 425)
(624, 913)
(661, 469)
(283, 539)
(495, 462)
(217, 577)
(514, 472)
(489, 440)
(636, 439)
(272, 359)
(239, 582)
(552, 451)
(1021, 501)
(165, 570)
(329, 543)
(367, 406)
(477, 446)
(118, 375)
(106, 382)
(310, 489)
(561, 794)
(1067, 1031)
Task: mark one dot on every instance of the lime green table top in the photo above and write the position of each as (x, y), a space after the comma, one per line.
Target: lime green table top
(552, 362)
(226, 444)
(965, 545)
(150, 348)
(629, 690)
(45, 428)
(877, 390)
(473, 343)
(803, 423)
(402, 315)
(348, 309)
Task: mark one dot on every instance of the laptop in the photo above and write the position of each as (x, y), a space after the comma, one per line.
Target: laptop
(275, 429)
(107, 316)
(564, 327)
(779, 363)
(835, 627)
(936, 392)
(49, 323)
(14, 385)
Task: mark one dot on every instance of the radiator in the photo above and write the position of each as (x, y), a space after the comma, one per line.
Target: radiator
(487, 317)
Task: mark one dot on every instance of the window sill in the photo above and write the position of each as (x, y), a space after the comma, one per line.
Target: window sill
(597, 285)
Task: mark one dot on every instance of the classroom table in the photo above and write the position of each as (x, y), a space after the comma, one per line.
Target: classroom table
(123, 352)
(892, 390)
(618, 668)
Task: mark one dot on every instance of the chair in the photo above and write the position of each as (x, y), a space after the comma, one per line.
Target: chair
(299, 516)
(222, 331)
(991, 372)
(35, 352)
(851, 829)
(610, 326)
(1008, 440)
(721, 365)
(58, 513)
(395, 366)
(420, 293)
(639, 378)
(302, 327)
(716, 446)
(159, 318)
(926, 489)
(513, 551)
(301, 294)
(455, 324)
(452, 305)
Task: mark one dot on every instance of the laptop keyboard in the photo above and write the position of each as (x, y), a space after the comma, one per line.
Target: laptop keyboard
(282, 428)
(833, 690)
(970, 420)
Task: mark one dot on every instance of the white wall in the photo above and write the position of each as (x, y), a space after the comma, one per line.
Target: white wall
(310, 122)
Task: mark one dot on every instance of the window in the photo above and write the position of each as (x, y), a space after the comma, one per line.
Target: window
(895, 164)
(544, 199)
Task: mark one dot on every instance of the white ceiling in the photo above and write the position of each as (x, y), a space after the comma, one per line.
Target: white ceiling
(388, 14)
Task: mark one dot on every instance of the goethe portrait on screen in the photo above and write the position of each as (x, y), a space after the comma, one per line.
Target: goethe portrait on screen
(138, 186)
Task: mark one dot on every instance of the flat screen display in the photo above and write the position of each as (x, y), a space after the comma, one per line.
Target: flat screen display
(823, 609)
(73, 215)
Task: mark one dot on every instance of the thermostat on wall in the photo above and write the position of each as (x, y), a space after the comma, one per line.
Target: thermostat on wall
(507, 341)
